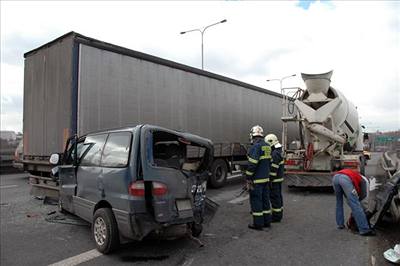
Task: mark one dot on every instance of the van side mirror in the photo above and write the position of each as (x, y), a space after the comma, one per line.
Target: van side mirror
(54, 159)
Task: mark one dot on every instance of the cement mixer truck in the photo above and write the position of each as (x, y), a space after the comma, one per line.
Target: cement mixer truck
(330, 137)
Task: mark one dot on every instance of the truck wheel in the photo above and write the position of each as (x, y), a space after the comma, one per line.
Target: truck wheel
(219, 171)
(105, 230)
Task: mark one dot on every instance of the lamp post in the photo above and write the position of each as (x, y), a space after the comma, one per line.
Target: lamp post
(202, 38)
(284, 113)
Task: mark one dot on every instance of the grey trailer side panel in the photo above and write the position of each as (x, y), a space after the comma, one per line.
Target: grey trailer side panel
(119, 90)
(47, 98)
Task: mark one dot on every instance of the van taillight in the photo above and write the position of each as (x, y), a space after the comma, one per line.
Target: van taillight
(159, 189)
(137, 189)
(291, 162)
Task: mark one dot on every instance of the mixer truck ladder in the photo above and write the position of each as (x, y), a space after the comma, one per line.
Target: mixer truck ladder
(289, 114)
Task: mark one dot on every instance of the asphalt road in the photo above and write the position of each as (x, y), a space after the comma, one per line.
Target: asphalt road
(306, 236)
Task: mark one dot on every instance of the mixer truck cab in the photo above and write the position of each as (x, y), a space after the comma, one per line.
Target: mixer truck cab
(132, 182)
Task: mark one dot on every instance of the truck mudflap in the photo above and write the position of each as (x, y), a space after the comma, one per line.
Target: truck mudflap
(308, 180)
(210, 209)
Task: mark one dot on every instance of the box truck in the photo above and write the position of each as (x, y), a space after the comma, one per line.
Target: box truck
(76, 85)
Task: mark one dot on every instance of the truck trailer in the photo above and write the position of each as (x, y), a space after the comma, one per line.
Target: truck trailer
(76, 85)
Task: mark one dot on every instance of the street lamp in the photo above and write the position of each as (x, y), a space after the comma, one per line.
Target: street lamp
(284, 113)
(202, 38)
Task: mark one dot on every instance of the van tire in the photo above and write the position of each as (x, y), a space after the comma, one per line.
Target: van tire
(219, 172)
(104, 222)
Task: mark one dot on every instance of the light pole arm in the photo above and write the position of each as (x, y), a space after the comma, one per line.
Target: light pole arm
(202, 38)
(187, 31)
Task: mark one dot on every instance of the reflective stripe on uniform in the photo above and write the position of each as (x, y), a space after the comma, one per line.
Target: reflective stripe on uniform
(277, 210)
(277, 180)
(282, 162)
(267, 212)
(249, 173)
(257, 213)
(259, 181)
(275, 165)
(267, 152)
(272, 174)
(252, 160)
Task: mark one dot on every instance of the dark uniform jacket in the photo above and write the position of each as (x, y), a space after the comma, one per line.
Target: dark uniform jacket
(277, 165)
(259, 157)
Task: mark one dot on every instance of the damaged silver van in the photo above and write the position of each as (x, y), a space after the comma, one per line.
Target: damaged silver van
(131, 182)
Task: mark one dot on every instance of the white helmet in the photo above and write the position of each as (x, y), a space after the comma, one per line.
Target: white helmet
(271, 139)
(256, 131)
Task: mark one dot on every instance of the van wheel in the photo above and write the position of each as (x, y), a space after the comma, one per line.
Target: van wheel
(219, 171)
(105, 230)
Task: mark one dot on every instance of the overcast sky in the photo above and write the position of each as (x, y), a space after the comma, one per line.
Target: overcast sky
(359, 40)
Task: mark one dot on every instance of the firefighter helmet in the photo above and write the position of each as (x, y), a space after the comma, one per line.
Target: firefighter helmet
(256, 131)
(271, 139)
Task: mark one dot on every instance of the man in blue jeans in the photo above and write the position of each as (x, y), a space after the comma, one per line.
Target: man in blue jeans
(349, 183)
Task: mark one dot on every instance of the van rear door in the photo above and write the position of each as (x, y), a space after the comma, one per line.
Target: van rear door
(168, 190)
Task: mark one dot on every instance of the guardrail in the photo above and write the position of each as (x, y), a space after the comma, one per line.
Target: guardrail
(391, 162)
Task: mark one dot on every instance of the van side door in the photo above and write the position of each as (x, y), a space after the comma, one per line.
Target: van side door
(67, 172)
(88, 172)
(116, 175)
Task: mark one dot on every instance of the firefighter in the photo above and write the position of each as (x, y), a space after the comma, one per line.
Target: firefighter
(257, 178)
(276, 177)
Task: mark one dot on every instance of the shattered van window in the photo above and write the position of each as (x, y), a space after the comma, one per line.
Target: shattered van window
(172, 151)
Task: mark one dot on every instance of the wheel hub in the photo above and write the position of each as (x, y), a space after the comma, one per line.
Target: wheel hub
(99, 229)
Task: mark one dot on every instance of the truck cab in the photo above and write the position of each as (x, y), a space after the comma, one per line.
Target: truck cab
(131, 182)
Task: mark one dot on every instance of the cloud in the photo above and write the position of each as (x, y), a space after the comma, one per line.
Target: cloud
(11, 113)
(261, 40)
(14, 45)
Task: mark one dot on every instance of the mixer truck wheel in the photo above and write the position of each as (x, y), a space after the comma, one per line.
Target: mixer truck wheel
(219, 171)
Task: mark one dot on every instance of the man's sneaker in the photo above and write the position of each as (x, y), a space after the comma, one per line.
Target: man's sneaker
(369, 233)
(252, 226)
(275, 221)
(267, 225)
(340, 227)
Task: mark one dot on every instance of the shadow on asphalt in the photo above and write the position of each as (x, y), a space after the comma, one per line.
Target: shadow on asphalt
(311, 190)
(388, 235)
(151, 249)
(10, 171)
